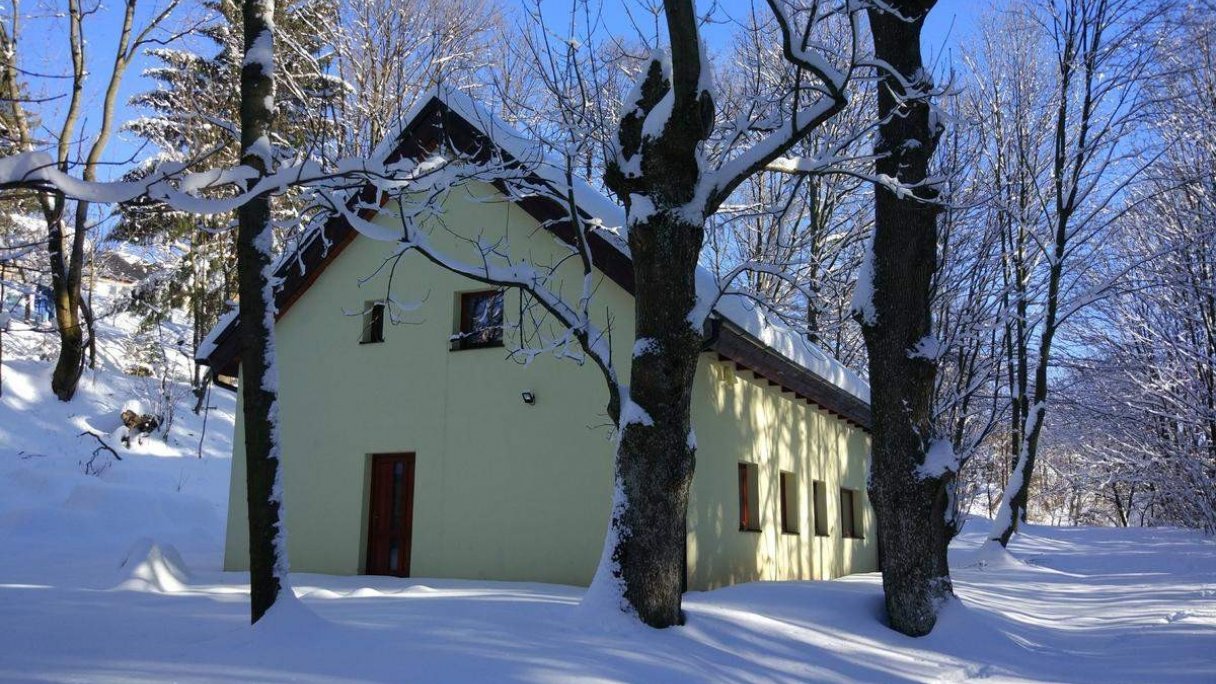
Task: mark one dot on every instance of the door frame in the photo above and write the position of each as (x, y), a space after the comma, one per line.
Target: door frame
(369, 546)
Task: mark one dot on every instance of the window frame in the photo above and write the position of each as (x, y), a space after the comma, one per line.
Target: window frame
(749, 499)
(463, 338)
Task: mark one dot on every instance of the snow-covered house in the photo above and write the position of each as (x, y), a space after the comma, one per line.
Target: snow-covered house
(414, 445)
(117, 271)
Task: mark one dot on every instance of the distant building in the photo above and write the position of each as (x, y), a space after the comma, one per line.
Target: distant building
(117, 272)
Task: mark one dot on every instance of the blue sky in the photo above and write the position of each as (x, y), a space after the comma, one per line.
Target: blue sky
(45, 45)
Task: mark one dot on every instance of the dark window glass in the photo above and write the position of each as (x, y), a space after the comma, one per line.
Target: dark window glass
(821, 508)
(749, 504)
(373, 322)
(789, 503)
(480, 320)
(848, 515)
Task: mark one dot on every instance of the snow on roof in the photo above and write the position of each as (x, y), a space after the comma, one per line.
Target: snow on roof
(207, 347)
(121, 264)
(608, 213)
(790, 343)
(608, 218)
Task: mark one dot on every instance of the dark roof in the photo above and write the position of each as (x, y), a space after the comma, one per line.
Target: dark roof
(436, 121)
(120, 266)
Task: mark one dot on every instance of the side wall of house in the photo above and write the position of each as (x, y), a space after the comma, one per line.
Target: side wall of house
(740, 418)
(503, 489)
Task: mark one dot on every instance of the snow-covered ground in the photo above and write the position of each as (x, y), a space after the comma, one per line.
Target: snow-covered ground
(1085, 605)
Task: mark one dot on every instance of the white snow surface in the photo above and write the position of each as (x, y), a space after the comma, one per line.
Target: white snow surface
(631, 413)
(863, 292)
(644, 345)
(262, 51)
(939, 460)
(118, 578)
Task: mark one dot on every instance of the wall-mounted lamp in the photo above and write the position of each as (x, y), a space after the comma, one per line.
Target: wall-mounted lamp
(529, 397)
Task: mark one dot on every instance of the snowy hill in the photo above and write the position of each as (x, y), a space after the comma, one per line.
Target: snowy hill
(116, 577)
(159, 488)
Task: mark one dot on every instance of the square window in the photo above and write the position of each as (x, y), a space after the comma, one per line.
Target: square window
(849, 528)
(820, 493)
(480, 320)
(749, 498)
(789, 503)
(373, 322)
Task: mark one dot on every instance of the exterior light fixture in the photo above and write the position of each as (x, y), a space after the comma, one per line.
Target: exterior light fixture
(529, 397)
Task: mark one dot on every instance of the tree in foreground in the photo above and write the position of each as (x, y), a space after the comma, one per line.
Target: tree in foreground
(911, 473)
(669, 186)
(255, 266)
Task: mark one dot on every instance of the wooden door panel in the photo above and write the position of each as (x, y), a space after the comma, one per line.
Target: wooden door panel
(390, 515)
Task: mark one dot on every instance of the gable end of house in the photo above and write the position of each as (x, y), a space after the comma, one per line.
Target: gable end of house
(437, 122)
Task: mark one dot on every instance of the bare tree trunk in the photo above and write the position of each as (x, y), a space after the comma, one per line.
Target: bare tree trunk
(1120, 512)
(656, 457)
(657, 171)
(65, 287)
(200, 395)
(196, 318)
(267, 549)
(911, 506)
(86, 310)
(65, 291)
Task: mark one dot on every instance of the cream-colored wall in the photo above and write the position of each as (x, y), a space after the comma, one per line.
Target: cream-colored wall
(505, 490)
(740, 418)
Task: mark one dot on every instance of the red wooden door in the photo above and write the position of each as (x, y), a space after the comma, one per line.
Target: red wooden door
(390, 515)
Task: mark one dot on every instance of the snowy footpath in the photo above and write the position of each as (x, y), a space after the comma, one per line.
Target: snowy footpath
(116, 578)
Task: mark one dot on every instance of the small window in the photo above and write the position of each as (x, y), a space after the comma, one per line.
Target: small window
(373, 322)
(480, 320)
(848, 514)
(789, 503)
(749, 498)
(820, 493)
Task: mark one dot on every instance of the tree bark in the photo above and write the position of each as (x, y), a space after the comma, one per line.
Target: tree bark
(259, 390)
(86, 310)
(911, 506)
(656, 455)
(656, 169)
(65, 288)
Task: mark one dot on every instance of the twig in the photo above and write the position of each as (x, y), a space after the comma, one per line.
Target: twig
(105, 446)
(206, 412)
